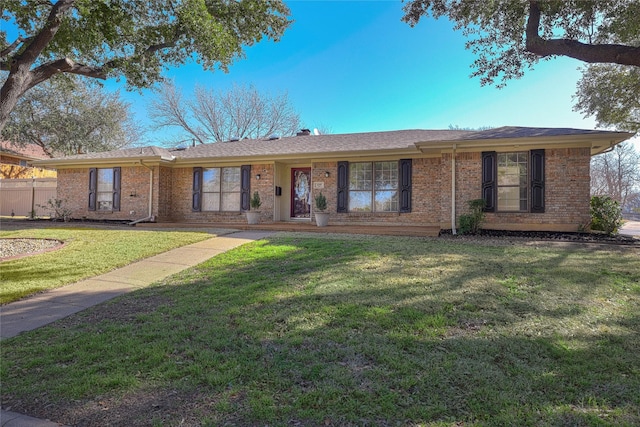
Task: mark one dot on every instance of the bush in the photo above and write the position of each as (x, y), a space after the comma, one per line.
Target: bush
(58, 210)
(321, 202)
(471, 223)
(255, 201)
(606, 214)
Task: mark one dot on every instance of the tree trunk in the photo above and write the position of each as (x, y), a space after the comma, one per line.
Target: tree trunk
(10, 92)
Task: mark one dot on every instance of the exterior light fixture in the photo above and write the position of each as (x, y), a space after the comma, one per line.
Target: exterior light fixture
(326, 174)
(258, 176)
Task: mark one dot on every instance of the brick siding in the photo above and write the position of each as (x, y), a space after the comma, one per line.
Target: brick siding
(566, 193)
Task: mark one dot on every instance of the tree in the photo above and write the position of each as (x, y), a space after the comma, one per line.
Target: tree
(242, 112)
(616, 174)
(68, 115)
(510, 36)
(611, 93)
(134, 39)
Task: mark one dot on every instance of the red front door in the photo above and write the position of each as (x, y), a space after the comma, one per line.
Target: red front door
(301, 193)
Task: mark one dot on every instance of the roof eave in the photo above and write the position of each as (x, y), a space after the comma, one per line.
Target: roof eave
(99, 162)
(597, 143)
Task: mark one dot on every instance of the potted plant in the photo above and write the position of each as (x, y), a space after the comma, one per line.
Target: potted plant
(253, 216)
(322, 217)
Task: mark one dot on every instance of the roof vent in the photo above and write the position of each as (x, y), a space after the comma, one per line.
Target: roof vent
(234, 139)
(303, 132)
(274, 136)
(180, 148)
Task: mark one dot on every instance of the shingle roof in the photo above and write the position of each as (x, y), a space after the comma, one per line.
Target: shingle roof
(150, 151)
(319, 144)
(527, 132)
(28, 151)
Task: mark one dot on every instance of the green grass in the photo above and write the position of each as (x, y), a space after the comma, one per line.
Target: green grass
(346, 330)
(88, 252)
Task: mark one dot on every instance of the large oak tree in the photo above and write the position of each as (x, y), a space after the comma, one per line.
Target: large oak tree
(134, 39)
(69, 115)
(510, 36)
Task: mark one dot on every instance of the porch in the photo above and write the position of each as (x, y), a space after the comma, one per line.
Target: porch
(309, 227)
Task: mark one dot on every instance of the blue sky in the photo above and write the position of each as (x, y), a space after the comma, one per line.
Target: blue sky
(354, 66)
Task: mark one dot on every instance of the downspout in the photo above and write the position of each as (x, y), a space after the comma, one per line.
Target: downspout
(453, 190)
(149, 216)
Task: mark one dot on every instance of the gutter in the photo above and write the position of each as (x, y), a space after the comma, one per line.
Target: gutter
(453, 190)
(149, 217)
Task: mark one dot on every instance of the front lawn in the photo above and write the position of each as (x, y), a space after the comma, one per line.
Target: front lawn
(350, 330)
(87, 252)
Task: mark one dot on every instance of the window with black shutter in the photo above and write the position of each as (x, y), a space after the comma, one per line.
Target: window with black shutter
(513, 181)
(245, 187)
(104, 189)
(489, 180)
(537, 181)
(93, 186)
(218, 189)
(343, 186)
(374, 186)
(196, 200)
(405, 185)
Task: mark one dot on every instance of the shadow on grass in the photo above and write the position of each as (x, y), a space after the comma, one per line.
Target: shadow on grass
(349, 331)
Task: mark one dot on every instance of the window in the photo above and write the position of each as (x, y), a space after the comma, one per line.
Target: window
(104, 189)
(23, 163)
(374, 186)
(513, 182)
(219, 189)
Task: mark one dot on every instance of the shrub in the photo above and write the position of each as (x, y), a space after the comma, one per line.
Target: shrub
(471, 223)
(255, 201)
(59, 212)
(606, 214)
(321, 202)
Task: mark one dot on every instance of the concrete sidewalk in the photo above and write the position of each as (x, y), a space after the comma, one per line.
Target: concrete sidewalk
(45, 308)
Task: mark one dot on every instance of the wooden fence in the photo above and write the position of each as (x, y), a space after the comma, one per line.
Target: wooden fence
(26, 197)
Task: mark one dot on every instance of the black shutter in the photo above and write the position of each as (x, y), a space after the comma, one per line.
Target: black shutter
(93, 184)
(489, 178)
(343, 186)
(196, 201)
(405, 185)
(116, 188)
(537, 181)
(245, 187)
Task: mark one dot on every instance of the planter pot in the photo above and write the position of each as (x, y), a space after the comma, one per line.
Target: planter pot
(322, 219)
(253, 217)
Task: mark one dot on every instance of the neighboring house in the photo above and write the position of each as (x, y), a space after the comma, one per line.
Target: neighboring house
(15, 161)
(530, 178)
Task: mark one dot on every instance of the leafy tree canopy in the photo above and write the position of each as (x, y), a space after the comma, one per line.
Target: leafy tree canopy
(510, 36)
(611, 93)
(134, 39)
(67, 115)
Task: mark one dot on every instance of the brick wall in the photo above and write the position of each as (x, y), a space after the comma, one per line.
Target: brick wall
(567, 194)
(424, 201)
(182, 193)
(73, 187)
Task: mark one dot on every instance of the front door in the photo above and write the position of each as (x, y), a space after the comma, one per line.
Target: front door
(300, 192)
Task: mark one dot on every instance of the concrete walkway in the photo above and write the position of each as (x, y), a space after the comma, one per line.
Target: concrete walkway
(45, 308)
(630, 228)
